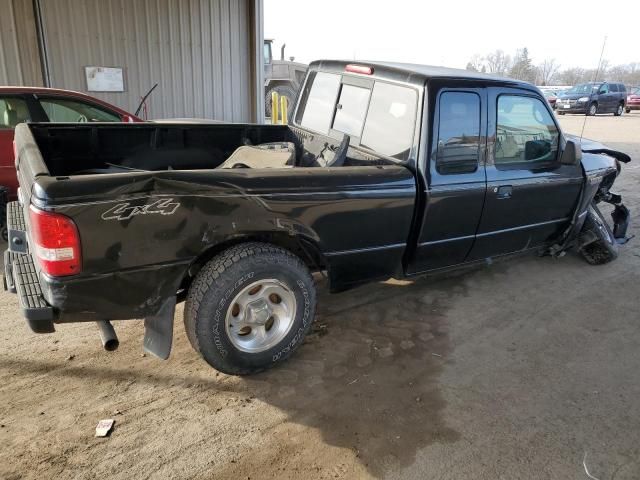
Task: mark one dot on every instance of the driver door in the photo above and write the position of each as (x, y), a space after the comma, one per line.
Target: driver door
(530, 195)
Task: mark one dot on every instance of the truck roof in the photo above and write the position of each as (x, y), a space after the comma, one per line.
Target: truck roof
(412, 70)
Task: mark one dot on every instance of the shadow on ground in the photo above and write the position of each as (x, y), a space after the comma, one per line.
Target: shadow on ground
(370, 384)
(366, 379)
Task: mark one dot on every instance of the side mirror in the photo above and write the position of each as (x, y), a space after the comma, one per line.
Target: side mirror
(571, 154)
(536, 149)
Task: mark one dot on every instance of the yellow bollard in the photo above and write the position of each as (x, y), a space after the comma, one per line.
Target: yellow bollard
(274, 108)
(284, 109)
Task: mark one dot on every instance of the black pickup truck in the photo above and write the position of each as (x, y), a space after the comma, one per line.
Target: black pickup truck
(387, 170)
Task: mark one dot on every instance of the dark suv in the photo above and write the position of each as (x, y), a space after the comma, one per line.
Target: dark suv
(592, 98)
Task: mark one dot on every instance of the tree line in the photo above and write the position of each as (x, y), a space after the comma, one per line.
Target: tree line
(549, 72)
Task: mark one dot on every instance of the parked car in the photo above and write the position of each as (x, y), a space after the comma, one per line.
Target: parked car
(593, 98)
(385, 170)
(23, 104)
(633, 100)
(551, 97)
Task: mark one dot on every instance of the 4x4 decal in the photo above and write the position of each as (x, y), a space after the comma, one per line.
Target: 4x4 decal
(125, 211)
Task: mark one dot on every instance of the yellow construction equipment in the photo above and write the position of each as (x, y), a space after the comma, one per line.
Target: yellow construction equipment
(274, 108)
(284, 109)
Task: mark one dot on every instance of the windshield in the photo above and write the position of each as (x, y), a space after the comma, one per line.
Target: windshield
(584, 88)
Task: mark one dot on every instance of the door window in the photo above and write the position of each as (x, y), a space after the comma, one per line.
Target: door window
(458, 133)
(13, 110)
(604, 89)
(526, 133)
(64, 110)
(614, 87)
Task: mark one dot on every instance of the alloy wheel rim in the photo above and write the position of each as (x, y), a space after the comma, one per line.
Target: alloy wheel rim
(260, 315)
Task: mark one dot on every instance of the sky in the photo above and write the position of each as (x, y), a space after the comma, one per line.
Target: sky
(448, 33)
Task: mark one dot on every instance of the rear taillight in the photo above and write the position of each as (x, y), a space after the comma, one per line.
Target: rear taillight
(56, 243)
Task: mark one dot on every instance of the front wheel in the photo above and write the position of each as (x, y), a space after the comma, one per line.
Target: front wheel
(250, 308)
(619, 110)
(601, 246)
(593, 109)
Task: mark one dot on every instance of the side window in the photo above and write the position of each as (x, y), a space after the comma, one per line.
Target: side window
(614, 88)
(266, 51)
(622, 88)
(604, 88)
(318, 99)
(63, 110)
(458, 133)
(351, 109)
(391, 120)
(526, 132)
(13, 110)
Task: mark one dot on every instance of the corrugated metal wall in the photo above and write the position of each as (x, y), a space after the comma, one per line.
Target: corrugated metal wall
(198, 51)
(19, 58)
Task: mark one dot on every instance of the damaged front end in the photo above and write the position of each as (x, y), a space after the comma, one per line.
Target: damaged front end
(588, 231)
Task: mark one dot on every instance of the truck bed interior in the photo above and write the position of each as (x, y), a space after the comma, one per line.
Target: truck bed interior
(81, 149)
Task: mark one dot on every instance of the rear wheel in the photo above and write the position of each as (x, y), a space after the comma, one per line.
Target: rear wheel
(619, 110)
(593, 109)
(249, 308)
(628, 110)
(602, 246)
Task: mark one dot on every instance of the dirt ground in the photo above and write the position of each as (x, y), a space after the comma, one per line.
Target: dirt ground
(519, 370)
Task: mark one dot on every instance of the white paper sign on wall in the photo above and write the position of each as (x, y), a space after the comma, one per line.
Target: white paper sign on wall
(104, 79)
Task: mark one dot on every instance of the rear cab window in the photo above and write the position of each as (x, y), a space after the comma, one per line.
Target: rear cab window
(377, 115)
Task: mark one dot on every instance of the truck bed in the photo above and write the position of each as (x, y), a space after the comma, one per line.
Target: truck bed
(86, 149)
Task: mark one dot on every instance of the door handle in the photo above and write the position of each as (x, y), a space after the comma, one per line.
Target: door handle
(503, 191)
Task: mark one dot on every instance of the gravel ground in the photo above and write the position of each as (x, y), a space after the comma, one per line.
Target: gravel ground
(519, 370)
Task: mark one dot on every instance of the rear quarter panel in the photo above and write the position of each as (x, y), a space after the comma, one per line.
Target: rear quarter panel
(358, 218)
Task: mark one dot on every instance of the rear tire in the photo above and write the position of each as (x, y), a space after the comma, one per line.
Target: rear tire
(250, 308)
(619, 110)
(593, 109)
(281, 90)
(628, 110)
(605, 248)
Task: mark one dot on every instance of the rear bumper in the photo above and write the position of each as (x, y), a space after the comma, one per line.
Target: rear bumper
(20, 277)
(633, 106)
(577, 108)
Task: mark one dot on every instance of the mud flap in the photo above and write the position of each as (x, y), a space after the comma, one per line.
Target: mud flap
(158, 330)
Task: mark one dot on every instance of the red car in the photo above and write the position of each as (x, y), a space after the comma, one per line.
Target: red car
(551, 97)
(633, 100)
(22, 104)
